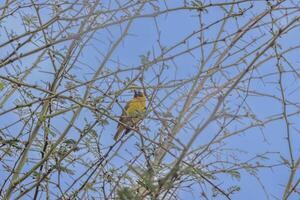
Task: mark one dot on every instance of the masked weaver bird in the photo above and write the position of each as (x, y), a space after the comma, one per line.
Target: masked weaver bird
(132, 114)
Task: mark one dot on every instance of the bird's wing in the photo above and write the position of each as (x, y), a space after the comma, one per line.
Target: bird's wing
(124, 115)
(123, 118)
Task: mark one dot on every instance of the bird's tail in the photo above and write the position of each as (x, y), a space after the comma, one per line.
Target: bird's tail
(120, 131)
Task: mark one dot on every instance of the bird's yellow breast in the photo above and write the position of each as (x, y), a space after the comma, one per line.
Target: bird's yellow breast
(136, 106)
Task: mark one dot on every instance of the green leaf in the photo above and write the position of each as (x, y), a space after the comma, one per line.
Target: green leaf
(233, 189)
(50, 132)
(285, 161)
(196, 172)
(147, 182)
(89, 186)
(1, 86)
(235, 174)
(145, 58)
(126, 193)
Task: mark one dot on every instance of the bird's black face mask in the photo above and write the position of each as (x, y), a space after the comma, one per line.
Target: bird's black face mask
(138, 94)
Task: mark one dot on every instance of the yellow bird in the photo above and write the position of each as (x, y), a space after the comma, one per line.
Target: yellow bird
(132, 114)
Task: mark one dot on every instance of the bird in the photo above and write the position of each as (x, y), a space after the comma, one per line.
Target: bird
(133, 113)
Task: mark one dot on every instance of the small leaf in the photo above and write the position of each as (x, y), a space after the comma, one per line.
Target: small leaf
(1, 86)
(233, 189)
(235, 174)
(285, 161)
(126, 193)
(210, 71)
(89, 186)
(196, 172)
(50, 132)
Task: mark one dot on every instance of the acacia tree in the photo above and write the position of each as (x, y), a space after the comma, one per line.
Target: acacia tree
(221, 81)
